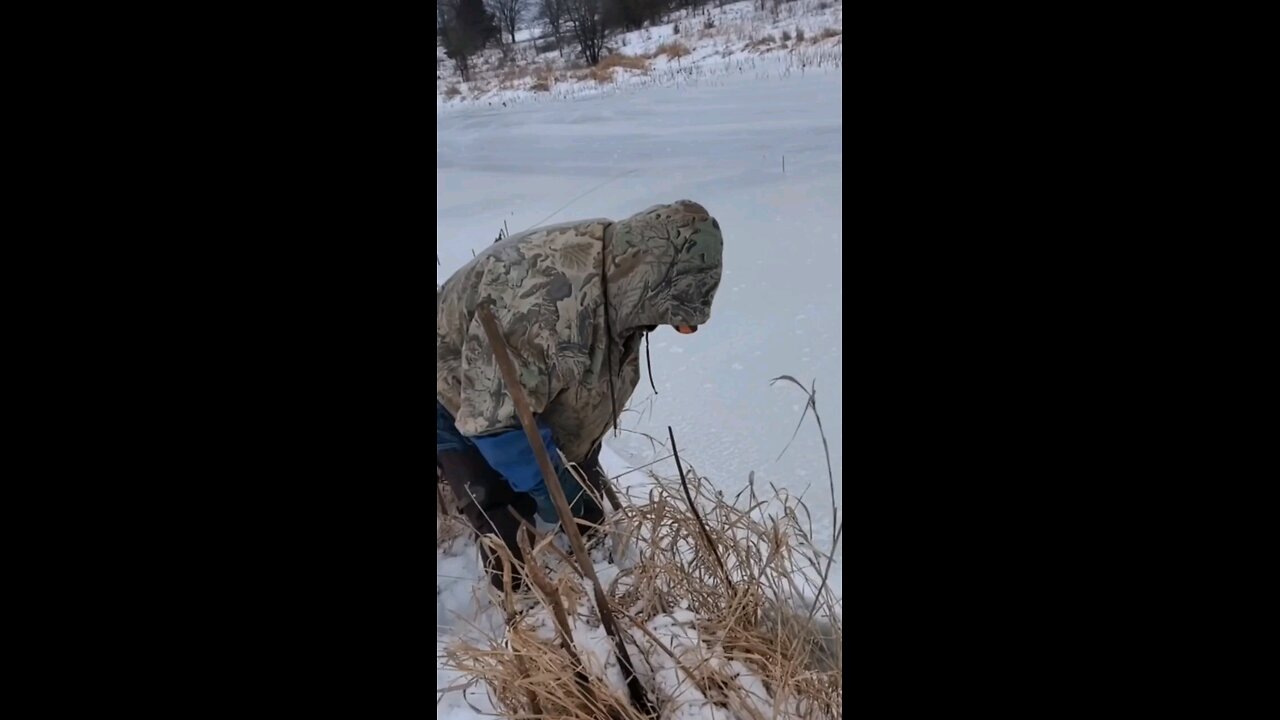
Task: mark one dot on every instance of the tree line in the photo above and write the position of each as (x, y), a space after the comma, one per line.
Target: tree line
(465, 27)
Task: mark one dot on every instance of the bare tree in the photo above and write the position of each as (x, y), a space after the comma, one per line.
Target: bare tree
(586, 18)
(633, 14)
(509, 14)
(551, 14)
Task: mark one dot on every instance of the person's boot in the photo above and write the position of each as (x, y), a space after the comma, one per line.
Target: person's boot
(506, 521)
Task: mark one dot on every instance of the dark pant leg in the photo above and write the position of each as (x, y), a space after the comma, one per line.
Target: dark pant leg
(592, 511)
(487, 499)
(488, 503)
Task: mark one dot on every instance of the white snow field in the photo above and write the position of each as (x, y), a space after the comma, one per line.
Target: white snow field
(721, 141)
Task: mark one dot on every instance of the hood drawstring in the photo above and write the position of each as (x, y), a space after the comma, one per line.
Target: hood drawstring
(608, 331)
(649, 363)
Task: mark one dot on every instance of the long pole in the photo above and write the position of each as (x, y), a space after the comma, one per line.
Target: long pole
(509, 375)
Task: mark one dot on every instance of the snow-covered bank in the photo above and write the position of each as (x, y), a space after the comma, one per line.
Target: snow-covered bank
(754, 634)
(695, 46)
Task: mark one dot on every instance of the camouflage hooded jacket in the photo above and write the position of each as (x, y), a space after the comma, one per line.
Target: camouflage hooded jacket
(572, 336)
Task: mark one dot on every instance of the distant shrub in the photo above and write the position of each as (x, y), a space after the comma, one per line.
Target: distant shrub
(629, 62)
(673, 49)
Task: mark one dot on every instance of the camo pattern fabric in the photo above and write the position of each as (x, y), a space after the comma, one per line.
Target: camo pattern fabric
(544, 288)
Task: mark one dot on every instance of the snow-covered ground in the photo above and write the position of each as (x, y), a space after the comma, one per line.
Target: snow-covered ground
(721, 140)
(665, 653)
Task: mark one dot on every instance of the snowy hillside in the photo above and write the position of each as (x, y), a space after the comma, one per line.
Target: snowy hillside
(760, 37)
(754, 135)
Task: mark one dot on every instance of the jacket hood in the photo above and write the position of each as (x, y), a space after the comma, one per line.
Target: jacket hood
(663, 266)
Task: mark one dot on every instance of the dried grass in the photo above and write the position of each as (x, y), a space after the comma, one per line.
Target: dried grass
(673, 49)
(602, 72)
(618, 60)
(450, 524)
(750, 628)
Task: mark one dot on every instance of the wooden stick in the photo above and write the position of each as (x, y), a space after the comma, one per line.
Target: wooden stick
(512, 379)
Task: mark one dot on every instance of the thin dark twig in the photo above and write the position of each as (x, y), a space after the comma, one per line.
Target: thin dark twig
(654, 443)
(641, 467)
(826, 572)
(576, 199)
(812, 392)
(694, 507)
(802, 415)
